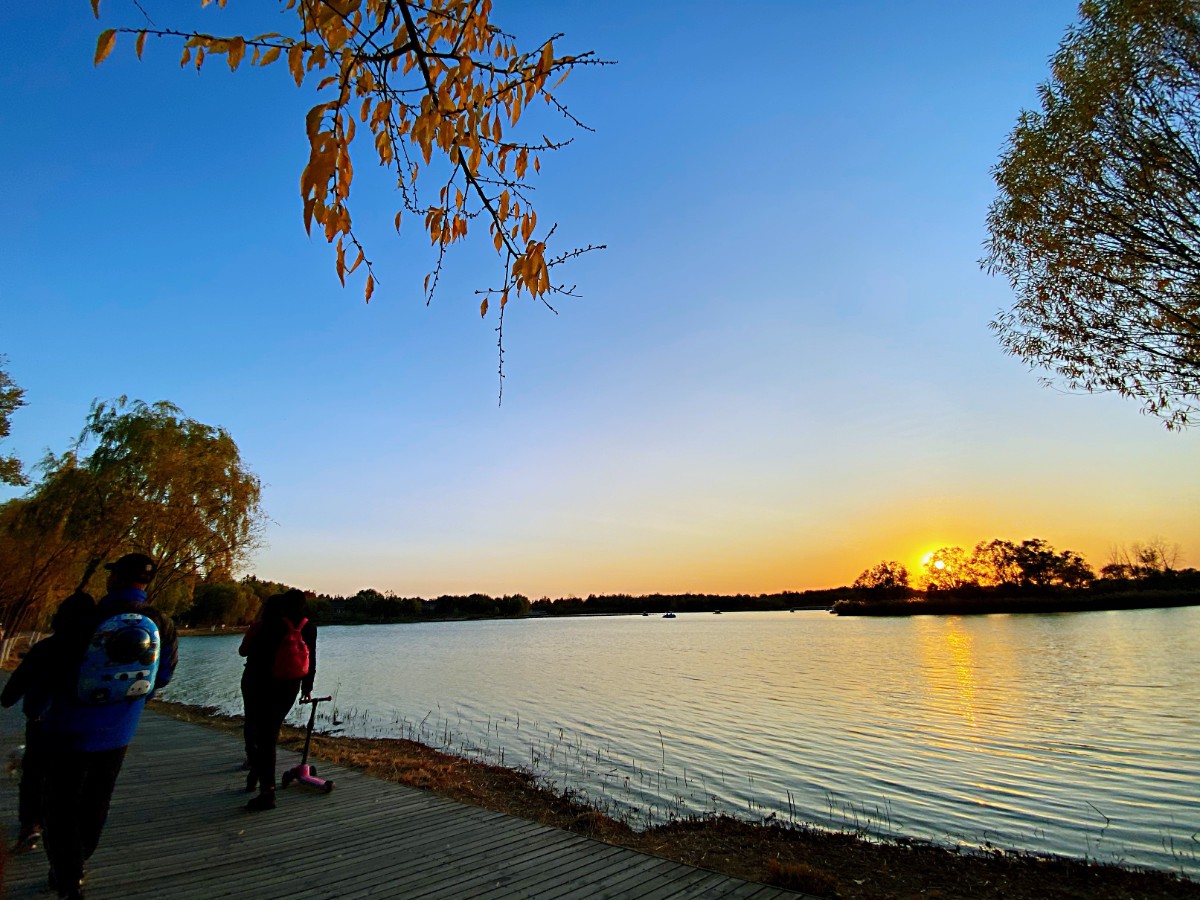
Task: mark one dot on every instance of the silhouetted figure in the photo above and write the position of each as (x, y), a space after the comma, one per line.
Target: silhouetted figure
(281, 660)
(272, 609)
(97, 694)
(30, 683)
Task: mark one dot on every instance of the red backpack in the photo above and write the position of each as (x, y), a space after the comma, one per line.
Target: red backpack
(291, 659)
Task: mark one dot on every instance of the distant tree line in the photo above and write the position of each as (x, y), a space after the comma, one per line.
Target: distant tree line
(1000, 575)
(223, 602)
(629, 604)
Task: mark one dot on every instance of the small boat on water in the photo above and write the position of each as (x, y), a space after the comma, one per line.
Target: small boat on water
(669, 615)
(644, 613)
(716, 612)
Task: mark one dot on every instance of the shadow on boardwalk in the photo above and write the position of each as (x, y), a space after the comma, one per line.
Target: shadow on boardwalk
(178, 829)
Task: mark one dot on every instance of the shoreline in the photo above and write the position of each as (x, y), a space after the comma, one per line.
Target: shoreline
(857, 607)
(804, 858)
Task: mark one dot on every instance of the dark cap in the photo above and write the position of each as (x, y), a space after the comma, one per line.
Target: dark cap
(137, 568)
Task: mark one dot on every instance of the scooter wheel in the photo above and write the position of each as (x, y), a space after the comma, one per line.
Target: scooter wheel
(328, 786)
(312, 770)
(286, 779)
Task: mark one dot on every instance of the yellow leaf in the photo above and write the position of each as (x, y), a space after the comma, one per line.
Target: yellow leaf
(269, 57)
(237, 48)
(96, 8)
(370, 287)
(312, 121)
(104, 44)
(140, 43)
(296, 62)
(483, 308)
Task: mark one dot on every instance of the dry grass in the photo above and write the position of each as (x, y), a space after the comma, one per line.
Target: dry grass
(808, 860)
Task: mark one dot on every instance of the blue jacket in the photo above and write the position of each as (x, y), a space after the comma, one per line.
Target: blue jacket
(81, 727)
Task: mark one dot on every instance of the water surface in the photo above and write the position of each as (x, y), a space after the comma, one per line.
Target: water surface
(1070, 733)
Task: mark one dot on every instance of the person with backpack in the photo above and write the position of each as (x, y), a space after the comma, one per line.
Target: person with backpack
(30, 685)
(281, 662)
(98, 689)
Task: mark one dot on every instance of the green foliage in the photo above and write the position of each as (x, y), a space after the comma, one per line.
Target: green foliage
(222, 603)
(12, 398)
(1097, 222)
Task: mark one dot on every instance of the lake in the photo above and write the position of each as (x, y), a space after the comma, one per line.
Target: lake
(1074, 733)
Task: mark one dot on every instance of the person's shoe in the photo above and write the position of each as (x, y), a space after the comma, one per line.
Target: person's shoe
(246, 764)
(29, 838)
(251, 783)
(65, 891)
(265, 800)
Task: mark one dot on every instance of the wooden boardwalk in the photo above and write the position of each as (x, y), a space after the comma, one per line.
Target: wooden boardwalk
(178, 830)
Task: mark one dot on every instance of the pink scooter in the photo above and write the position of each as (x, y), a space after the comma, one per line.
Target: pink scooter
(304, 773)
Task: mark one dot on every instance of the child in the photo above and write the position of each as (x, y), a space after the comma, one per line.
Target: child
(30, 682)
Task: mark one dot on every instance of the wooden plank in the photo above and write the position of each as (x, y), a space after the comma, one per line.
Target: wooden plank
(382, 855)
(496, 878)
(687, 879)
(428, 873)
(647, 873)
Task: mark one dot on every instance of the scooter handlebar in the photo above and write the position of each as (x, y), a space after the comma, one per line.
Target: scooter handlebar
(315, 700)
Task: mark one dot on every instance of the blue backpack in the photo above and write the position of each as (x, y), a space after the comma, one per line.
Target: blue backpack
(121, 661)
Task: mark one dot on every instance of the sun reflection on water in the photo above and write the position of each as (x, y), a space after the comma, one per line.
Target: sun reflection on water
(950, 668)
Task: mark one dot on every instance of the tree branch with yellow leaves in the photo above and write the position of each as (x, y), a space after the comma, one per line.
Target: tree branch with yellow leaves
(436, 78)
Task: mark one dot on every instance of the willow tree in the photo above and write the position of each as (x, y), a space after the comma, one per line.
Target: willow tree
(439, 92)
(140, 478)
(1097, 221)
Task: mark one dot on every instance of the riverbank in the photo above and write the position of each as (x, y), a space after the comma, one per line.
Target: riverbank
(825, 864)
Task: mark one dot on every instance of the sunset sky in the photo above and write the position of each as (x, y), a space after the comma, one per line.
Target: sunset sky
(779, 372)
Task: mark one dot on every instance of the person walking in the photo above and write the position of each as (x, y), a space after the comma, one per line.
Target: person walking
(281, 662)
(271, 611)
(97, 694)
(29, 684)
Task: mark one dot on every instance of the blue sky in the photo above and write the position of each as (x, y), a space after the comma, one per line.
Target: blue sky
(779, 372)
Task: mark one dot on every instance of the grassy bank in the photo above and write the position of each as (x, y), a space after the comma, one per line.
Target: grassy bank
(826, 864)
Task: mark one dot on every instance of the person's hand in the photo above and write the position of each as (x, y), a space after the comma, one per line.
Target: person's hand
(307, 698)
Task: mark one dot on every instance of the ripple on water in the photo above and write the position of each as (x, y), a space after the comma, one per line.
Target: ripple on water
(1071, 734)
